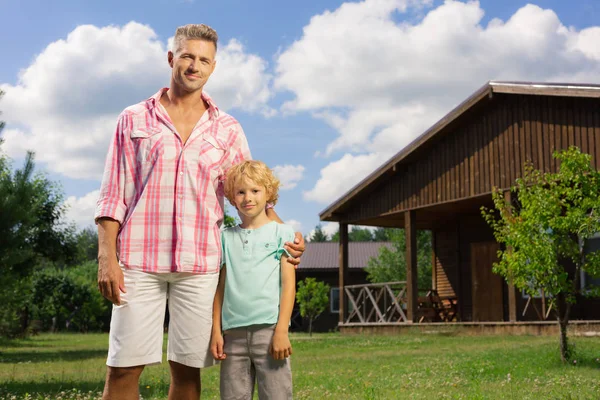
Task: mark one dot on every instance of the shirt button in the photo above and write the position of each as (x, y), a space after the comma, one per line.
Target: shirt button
(180, 172)
(181, 196)
(246, 242)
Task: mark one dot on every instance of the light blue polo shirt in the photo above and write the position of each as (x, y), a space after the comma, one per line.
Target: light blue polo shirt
(253, 279)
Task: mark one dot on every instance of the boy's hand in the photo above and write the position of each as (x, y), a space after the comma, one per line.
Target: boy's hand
(216, 346)
(296, 249)
(281, 348)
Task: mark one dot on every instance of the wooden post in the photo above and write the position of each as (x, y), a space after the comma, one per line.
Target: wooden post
(343, 269)
(411, 264)
(512, 292)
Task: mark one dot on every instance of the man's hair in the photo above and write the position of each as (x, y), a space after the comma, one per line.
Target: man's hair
(258, 173)
(194, 31)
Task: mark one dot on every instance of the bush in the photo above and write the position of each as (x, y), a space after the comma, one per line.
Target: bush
(68, 299)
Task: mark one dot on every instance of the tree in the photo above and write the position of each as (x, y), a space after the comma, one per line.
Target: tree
(319, 235)
(87, 245)
(32, 234)
(313, 298)
(545, 233)
(31, 210)
(390, 264)
(356, 234)
(381, 234)
(229, 221)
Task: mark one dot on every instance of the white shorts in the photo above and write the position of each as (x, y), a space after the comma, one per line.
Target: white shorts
(136, 326)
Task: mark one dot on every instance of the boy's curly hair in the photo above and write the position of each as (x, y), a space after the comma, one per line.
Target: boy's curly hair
(256, 171)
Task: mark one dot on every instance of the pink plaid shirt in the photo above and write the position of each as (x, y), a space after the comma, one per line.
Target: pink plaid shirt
(167, 197)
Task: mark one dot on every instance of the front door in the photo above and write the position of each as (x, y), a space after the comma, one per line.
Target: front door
(486, 285)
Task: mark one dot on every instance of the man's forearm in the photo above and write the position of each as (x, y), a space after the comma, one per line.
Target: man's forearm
(273, 215)
(108, 229)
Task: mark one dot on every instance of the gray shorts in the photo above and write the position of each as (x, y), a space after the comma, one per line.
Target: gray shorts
(248, 360)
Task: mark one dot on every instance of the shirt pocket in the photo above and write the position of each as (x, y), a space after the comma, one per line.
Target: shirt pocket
(211, 152)
(266, 248)
(148, 145)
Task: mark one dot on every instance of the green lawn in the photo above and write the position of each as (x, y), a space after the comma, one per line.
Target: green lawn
(330, 366)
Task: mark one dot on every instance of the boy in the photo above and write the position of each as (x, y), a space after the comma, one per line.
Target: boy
(255, 295)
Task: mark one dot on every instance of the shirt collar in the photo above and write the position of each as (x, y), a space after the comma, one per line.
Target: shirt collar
(213, 110)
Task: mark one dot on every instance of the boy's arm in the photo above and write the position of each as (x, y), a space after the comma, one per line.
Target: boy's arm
(216, 342)
(281, 347)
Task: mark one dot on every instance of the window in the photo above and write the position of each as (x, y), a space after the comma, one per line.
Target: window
(587, 281)
(334, 300)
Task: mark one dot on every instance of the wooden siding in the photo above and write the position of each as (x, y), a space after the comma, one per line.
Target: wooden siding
(446, 262)
(485, 149)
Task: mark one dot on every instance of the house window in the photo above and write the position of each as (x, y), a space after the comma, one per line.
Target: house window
(587, 281)
(334, 300)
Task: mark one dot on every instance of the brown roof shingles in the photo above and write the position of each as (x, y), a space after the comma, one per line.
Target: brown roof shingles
(325, 255)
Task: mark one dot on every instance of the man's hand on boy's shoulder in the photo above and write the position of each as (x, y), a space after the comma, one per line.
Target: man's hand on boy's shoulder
(296, 249)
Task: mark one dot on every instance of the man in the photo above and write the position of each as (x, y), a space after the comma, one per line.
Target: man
(158, 216)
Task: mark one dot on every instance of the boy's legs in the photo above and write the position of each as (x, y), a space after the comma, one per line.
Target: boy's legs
(274, 377)
(136, 333)
(237, 371)
(190, 326)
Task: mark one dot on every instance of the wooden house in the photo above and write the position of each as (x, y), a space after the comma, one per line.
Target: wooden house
(320, 261)
(442, 179)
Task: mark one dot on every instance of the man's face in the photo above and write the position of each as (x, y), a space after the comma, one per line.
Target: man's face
(192, 64)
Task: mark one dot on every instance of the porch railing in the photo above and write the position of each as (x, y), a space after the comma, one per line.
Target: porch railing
(376, 303)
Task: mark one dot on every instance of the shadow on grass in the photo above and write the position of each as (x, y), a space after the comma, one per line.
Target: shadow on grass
(49, 388)
(50, 356)
(18, 343)
(53, 389)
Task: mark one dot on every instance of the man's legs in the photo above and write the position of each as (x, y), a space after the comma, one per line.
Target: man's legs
(136, 333)
(122, 383)
(185, 382)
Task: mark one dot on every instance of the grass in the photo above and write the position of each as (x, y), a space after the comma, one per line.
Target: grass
(330, 366)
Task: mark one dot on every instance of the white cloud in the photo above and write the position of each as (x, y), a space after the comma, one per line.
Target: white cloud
(340, 176)
(289, 175)
(382, 71)
(65, 104)
(297, 225)
(240, 80)
(81, 209)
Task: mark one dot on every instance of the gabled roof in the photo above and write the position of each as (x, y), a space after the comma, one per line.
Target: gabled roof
(480, 96)
(325, 255)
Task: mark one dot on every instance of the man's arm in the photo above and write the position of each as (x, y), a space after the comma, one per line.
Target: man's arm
(216, 341)
(281, 347)
(110, 213)
(110, 277)
(296, 248)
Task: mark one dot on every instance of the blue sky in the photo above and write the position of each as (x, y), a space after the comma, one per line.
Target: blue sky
(325, 90)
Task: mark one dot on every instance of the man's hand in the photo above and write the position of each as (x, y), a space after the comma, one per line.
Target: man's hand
(216, 346)
(295, 249)
(110, 279)
(281, 348)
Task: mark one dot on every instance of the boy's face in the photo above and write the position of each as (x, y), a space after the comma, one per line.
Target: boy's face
(249, 197)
